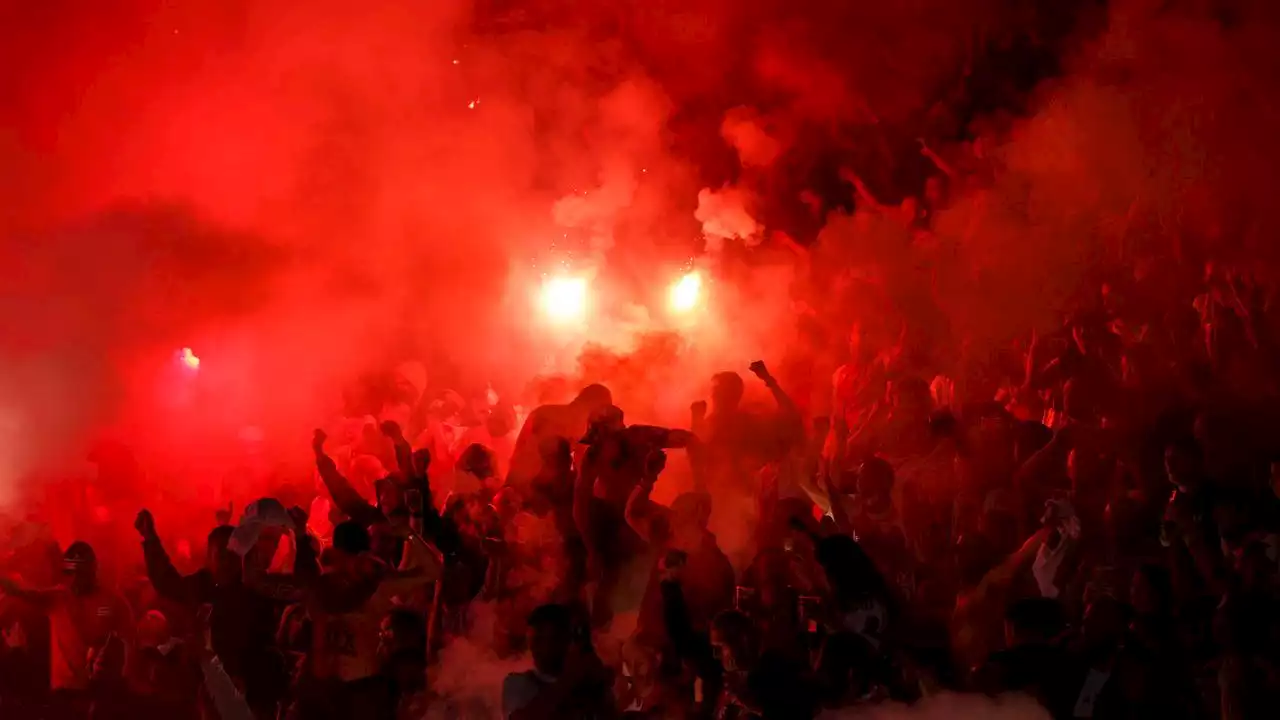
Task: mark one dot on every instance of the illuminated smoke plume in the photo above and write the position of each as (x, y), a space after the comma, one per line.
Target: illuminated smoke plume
(400, 166)
(724, 216)
(755, 147)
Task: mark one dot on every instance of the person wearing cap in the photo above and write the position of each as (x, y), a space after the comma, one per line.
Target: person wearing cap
(83, 616)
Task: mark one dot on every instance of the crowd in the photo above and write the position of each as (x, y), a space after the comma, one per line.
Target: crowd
(1090, 517)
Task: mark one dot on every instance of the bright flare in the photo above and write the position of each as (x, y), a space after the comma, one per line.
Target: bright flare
(564, 299)
(686, 292)
(189, 359)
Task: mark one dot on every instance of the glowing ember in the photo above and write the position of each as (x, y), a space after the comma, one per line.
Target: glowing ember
(686, 292)
(564, 299)
(189, 359)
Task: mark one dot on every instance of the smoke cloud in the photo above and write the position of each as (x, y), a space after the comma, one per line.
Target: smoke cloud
(297, 192)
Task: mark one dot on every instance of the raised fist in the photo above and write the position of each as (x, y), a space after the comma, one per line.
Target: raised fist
(699, 409)
(759, 369)
(318, 440)
(145, 524)
(655, 464)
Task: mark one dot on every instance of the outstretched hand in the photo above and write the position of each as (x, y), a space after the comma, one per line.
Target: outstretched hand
(145, 524)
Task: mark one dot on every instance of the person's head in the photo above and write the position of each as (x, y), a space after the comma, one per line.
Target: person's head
(690, 514)
(402, 631)
(384, 543)
(506, 504)
(1033, 621)
(643, 663)
(592, 399)
(727, 390)
(875, 482)
(501, 420)
(1184, 464)
(80, 566)
(1255, 566)
(421, 461)
(550, 637)
(409, 381)
(389, 495)
(603, 424)
(733, 640)
(844, 667)
(222, 562)
(1084, 332)
(1030, 437)
(350, 541)
(477, 460)
(153, 629)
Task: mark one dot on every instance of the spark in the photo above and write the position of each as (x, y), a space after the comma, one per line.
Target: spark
(686, 292)
(472, 105)
(189, 359)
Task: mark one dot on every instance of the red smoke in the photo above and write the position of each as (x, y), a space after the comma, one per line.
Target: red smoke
(311, 188)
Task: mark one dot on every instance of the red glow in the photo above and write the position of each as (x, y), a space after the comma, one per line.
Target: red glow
(686, 293)
(564, 299)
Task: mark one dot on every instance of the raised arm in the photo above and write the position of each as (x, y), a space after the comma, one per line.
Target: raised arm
(306, 567)
(189, 590)
(642, 514)
(697, 450)
(789, 412)
(419, 566)
(348, 500)
(934, 158)
(39, 597)
(864, 193)
(785, 404)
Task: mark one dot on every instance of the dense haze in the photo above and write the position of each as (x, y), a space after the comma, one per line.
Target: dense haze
(298, 190)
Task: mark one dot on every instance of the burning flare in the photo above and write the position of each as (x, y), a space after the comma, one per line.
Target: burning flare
(189, 359)
(564, 299)
(686, 292)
